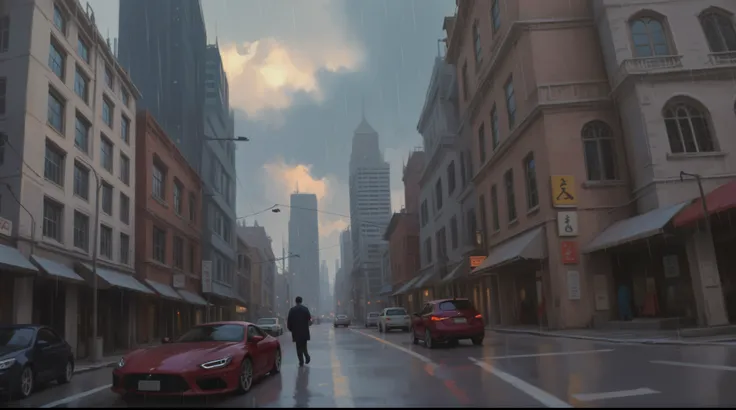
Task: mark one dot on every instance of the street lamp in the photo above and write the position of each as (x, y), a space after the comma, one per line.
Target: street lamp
(683, 174)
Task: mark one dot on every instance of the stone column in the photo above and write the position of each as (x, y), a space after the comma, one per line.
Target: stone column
(701, 257)
(23, 300)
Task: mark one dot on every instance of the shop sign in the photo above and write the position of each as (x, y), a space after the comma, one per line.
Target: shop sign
(6, 227)
(206, 276)
(569, 252)
(567, 223)
(475, 261)
(179, 280)
(563, 191)
(573, 285)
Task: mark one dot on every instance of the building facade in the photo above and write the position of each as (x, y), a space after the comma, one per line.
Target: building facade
(245, 278)
(262, 294)
(68, 129)
(343, 284)
(168, 234)
(304, 241)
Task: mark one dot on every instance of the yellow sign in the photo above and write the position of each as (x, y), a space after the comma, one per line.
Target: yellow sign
(475, 261)
(563, 191)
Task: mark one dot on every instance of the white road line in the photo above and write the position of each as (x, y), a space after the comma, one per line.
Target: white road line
(696, 365)
(535, 392)
(614, 394)
(403, 349)
(75, 397)
(518, 356)
(341, 384)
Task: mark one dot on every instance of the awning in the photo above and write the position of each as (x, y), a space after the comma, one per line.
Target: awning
(56, 269)
(119, 279)
(427, 279)
(718, 200)
(530, 245)
(457, 272)
(164, 290)
(12, 259)
(406, 286)
(386, 290)
(631, 229)
(221, 290)
(192, 297)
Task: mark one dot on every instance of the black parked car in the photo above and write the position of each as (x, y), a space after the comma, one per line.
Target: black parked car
(31, 354)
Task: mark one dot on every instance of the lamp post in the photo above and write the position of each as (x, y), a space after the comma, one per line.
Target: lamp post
(697, 177)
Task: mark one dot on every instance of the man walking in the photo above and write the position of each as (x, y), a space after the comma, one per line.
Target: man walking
(298, 324)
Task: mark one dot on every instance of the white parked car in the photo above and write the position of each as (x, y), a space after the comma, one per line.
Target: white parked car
(394, 318)
(270, 325)
(372, 319)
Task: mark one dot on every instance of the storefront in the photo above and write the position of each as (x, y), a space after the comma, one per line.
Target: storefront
(17, 275)
(195, 306)
(221, 303)
(405, 296)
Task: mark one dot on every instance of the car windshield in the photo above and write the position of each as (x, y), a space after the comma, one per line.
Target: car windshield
(396, 312)
(451, 305)
(342, 317)
(214, 333)
(375, 314)
(266, 322)
(16, 336)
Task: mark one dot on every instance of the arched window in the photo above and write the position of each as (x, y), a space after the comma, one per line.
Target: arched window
(476, 42)
(649, 37)
(719, 31)
(599, 149)
(688, 129)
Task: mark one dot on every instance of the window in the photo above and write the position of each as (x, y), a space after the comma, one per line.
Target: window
(107, 112)
(482, 144)
(192, 208)
(124, 169)
(471, 227)
(687, 129)
(463, 178)
(719, 31)
(495, 16)
(530, 178)
(106, 241)
(81, 133)
(57, 60)
(125, 130)
(159, 182)
(53, 169)
(438, 194)
(4, 34)
(494, 127)
(81, 181)
(106, 198)
(649, 37)
(83, 50)
(451, 178)
(495, 220)
(178, 200)
(510, 101)
(464, 81)
(159, 245)
(125, 97)
(108, 77)
(106, 154)
(476, 43)
(508, 181)
(441, 239)
(428, 249)
(56, 111)
(599, 150)
(178, 253)
(3, 91)
(191, 258)
(124, 209)
(124, 249)
(425, 213)
(81, 231)
(81, 85)
(53, 215)
(59, 19)
(453, 232)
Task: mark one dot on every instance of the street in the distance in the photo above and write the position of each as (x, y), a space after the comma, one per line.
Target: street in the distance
(358, 367)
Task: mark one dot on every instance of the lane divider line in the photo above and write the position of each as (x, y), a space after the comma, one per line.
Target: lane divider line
(403, 349)
(340, 382)
(695, 365)
(532, 391)
(75, 397)
(520, 356)
(614, 394)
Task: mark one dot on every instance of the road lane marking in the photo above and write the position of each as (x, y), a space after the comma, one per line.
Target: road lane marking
(518, 356)
(614, 394)
(340, 383)
(403, 349)
(696, 365)
(534, 392)
(75, 397)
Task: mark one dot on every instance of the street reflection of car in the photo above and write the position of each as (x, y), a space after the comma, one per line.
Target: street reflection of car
(342, 320)
(271, 325)
(372, 319)
(31, 355)
(447, 320)
(212, 358)
(394, 318)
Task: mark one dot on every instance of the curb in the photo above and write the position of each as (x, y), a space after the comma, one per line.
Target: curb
(670, 342)
(93, 367)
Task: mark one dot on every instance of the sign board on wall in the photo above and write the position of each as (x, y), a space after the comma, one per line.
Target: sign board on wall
(563, 191)
(573, 285)
(567, 223)
(569, 252)
(206, 276)
(475, 261)
(6, 227)
(179, 281)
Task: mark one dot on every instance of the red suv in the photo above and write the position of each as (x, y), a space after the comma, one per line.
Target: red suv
(447, 320)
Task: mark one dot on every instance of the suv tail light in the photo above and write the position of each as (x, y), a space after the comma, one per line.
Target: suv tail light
(436, 318)
(479, 316)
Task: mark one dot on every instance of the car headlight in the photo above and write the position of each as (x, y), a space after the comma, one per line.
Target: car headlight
(121, 363)
(216, 364)
(5, 364)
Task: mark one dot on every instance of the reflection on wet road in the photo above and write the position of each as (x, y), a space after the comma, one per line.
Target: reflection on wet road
(363, 368)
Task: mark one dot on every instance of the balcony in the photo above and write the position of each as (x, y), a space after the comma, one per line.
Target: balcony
(722, 58)
(646, 65)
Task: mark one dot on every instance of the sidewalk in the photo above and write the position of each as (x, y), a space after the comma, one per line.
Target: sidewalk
(86, 365)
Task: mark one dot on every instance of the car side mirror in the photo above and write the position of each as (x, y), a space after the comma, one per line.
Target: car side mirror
(165, 340)
(255, 338)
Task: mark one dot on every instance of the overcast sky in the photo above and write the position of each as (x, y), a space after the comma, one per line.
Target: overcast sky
(298, 71)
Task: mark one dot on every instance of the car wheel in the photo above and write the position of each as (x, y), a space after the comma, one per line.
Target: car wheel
(478, 341)
(68, 373)
(428, 343)
(276, 363)
(414, 339)
(27, 382)
(245, 381)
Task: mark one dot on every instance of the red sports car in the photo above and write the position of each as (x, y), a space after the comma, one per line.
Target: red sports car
(212, 358)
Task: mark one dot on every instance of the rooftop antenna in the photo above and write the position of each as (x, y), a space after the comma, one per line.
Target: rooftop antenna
(297, 187)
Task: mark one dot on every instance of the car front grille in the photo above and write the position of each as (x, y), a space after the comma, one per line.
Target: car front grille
(169, 383)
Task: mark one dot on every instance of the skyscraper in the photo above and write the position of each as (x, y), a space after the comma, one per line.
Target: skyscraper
(304, 241)
(370, 212)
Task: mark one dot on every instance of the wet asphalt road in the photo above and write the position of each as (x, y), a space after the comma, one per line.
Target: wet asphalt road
(362, 368)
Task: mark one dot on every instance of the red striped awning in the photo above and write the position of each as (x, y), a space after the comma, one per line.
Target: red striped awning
(720, 199)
